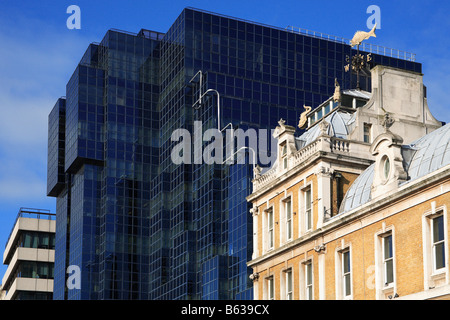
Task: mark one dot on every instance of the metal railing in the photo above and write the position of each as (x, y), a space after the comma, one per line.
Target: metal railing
(371, 48)
(34, 214)
(367, 47)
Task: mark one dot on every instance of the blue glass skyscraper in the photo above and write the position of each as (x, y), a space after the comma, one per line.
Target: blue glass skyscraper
(108, 123)
(138, 225)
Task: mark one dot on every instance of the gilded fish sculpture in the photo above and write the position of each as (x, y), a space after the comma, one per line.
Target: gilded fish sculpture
(360, 36)
(303, 118)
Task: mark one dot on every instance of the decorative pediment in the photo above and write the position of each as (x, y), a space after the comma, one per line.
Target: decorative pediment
(388, 170)
(385, 140)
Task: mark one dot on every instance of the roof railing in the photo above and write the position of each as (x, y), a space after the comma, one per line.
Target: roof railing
(371, 48)
(367, 47)
(34, 214)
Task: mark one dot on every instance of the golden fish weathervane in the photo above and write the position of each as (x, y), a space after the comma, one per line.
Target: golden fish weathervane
(359, 62)
(360, 36)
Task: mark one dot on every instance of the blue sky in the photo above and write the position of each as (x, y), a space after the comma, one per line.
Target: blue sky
(38, 54)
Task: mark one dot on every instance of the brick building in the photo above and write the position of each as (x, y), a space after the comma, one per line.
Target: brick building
(356, 207)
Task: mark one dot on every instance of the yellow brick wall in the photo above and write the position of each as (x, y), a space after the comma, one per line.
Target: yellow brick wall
(297, 211)
(408, 249)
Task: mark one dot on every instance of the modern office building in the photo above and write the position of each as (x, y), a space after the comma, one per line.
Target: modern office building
(102, 156)
(30, 256)
(139, 225)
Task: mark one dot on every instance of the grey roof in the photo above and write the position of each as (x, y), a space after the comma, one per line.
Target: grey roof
(431, 152)
(339, 127)
(359, 192)
(423, 156)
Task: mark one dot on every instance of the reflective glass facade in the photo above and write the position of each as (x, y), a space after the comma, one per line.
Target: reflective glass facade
(111, 125)
(56, 144)
(138, 225)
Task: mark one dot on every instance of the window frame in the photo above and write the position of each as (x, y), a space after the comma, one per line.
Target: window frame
(306, 290)
(309, 287)
(270, 223)
(289, 220)
(341, 275)
(308, 208)
(439, 242)
(367, 133)
(434, 277)
(384, 289)
(270, 288)
(346, 274)
(289, 284)
(389, 259)
(284, 157)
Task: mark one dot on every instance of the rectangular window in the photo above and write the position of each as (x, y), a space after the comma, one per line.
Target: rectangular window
(288, 206)
(270, 232)
(367, 133)
(289, 284)
(284, 156)
(346, 274)
(308, 210)
(309, 280)
(438, 242)
(270, 289)
(388, 260)
(436, 269)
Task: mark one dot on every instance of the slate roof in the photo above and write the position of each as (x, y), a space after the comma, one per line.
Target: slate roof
(421, 157)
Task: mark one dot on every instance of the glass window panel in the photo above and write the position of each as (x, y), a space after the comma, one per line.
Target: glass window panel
(438, 242)
(27, 240)
(289, 219)
(387, 167)
(308, 209)
(308, 274)
(438, 229)
(271, 289)
(270, 217)
(389, 271)
(308, 268)
(284, 150)
(347, 288)
(289, 280)
(440, 255)
(270, 223)
(288, 209)
(309, 293)
(289, 284)
(308, 199)
(388, 260)
(388, 247)
(346, 261)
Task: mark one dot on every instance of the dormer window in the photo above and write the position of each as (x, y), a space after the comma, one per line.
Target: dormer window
(389, 171)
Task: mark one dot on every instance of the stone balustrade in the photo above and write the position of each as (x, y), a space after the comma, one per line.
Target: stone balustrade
(322, 143)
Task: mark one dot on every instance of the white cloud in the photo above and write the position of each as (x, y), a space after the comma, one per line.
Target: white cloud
(28, 191)
(36, 62)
